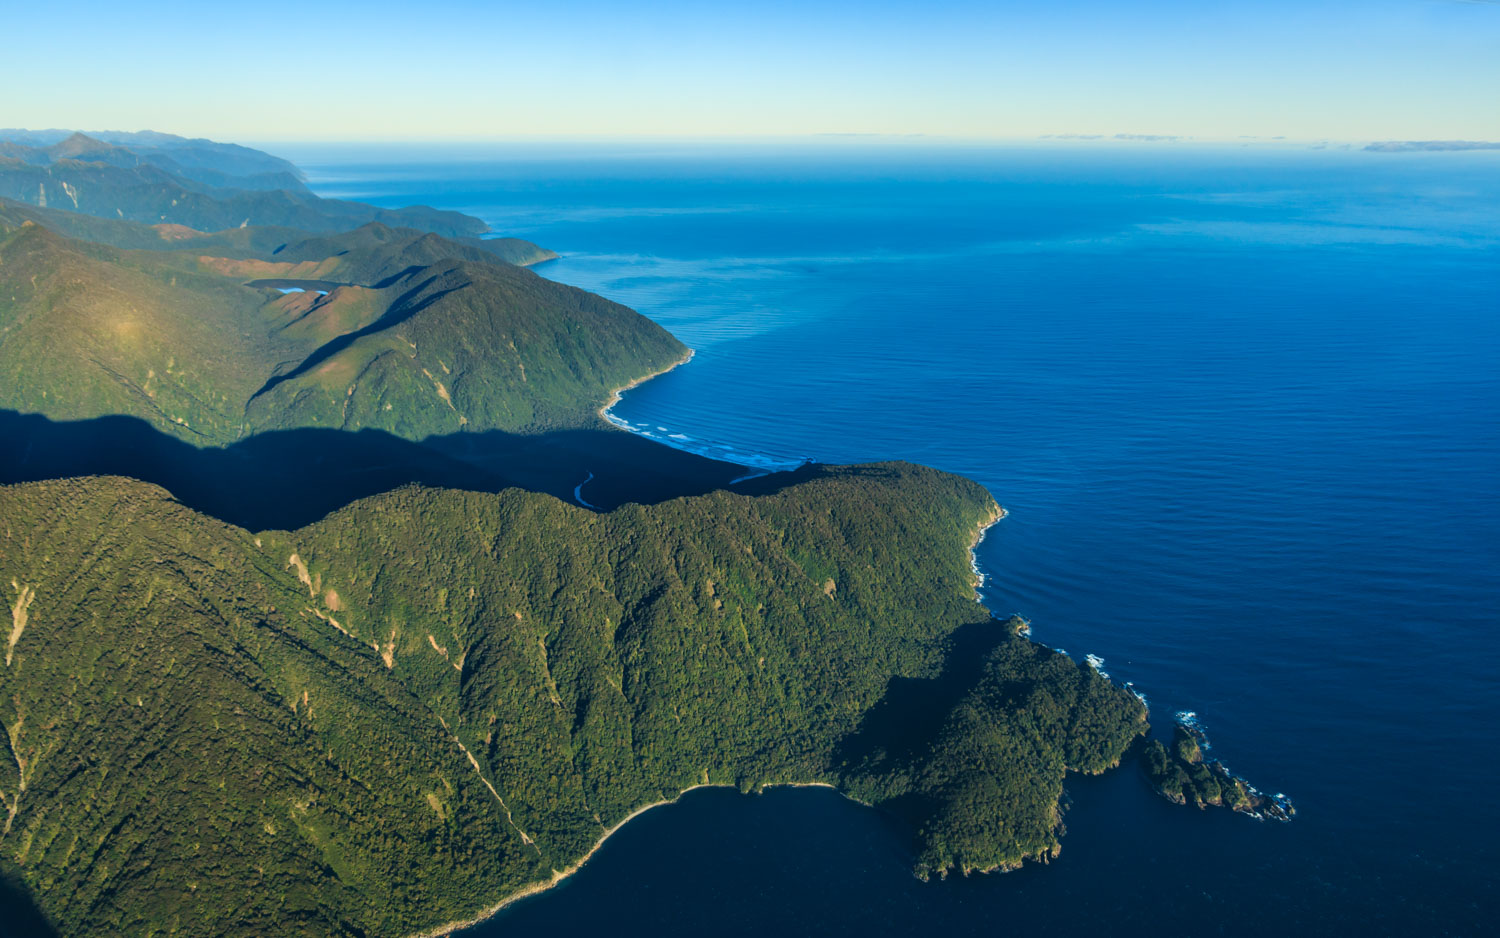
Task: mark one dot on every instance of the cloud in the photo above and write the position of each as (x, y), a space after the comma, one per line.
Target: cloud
(1149, 138)
(1427, 146)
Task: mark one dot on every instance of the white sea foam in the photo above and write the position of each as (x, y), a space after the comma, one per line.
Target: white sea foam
(1097, 663)
(1189, 719)
(979, 576)
(760, 463)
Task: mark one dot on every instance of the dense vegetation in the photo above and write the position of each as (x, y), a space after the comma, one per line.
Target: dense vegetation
(272, 243)
(425, 702)
(416, 335)
(431, 699)
(983, 791)
(1183, 776)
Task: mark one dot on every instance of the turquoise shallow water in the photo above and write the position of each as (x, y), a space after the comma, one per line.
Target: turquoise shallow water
(1242, 407)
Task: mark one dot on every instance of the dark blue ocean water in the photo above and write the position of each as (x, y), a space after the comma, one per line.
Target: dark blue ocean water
(1244, 408)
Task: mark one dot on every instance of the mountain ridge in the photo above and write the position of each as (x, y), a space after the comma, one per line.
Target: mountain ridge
(423, 700)
(421, 337)
(198, 184)
(443, 719)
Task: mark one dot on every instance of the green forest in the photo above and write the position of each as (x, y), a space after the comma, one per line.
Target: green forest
(396, 330)
(431, 699)
(427, 700)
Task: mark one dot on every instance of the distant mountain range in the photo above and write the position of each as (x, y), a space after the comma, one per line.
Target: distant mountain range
(161, 179)
(216, 164)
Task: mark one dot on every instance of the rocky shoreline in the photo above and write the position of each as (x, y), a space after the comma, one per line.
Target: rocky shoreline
(1183, 775)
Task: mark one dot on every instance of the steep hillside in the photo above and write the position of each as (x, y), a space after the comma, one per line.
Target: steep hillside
(424, 337)
(84, 333)
(455, 346)
(430, 700)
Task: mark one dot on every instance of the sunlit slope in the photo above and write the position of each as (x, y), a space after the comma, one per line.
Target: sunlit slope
(191, 754)
(461, 346)
(427, 701)
(424, 337)
(84, 333)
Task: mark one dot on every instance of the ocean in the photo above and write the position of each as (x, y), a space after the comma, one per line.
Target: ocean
(1243, 405)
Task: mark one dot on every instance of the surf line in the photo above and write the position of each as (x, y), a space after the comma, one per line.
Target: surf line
(757, 464)
(578, 493)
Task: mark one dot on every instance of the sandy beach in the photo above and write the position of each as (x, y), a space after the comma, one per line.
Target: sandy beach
(560, 875)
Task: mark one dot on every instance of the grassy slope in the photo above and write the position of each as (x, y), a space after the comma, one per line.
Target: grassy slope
(241, 749)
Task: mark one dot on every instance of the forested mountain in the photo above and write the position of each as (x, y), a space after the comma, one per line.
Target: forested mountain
(89, 176)
(216, 164)
(417, 705)
(264, 241)
(432, 699)
(395, 330)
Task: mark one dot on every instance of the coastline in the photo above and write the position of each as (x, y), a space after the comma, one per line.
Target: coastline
(618, 393)
(558, 876)
(757, 464)
(997, 515)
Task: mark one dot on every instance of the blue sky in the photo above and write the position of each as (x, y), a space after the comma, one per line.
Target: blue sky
(378, 70)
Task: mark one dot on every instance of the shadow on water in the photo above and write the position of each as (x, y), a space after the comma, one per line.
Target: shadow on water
(290, 478)
(19, 916)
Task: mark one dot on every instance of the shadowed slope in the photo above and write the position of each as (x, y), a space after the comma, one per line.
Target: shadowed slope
(22, 918)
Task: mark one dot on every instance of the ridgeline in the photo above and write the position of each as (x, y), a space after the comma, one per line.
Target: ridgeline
(432, 699)
(397, 705)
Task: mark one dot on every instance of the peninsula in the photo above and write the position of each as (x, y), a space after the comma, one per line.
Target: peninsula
(309, 635)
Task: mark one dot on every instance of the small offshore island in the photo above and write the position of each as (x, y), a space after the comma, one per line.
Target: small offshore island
(310, 633)
(1183, 776)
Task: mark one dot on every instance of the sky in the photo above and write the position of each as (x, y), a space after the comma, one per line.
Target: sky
(454, 69)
